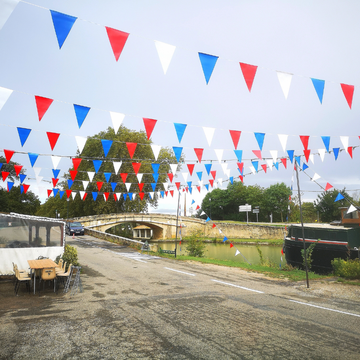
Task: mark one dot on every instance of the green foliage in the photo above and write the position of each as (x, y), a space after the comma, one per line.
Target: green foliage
(118, 152)
(265, 261)
(329, 209)
(260, 254)
(349, 269)
(309, 258)
(14, 201)
(194, 246)
(9, 167)
(70, 255)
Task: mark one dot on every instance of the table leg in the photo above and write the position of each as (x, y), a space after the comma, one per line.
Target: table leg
(34, 280)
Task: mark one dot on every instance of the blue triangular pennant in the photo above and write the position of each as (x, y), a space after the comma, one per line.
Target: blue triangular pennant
(190, 189)
(33, 157)
(94, 195)
(150, 196)
(106, 145)
(97, 164)
(177, 151)
(180, 129)
(319, 88)
(192, 201)
(297, 160)
(291, 155)
(207, 187)
(1, 164)
(199, 174)
(130, 195)
(21, 189)
(189, 184)
(276, 164)
(62, 24)
(155, 167)
(107, 176)
(10, 185)
(153, 185)
(326, 141)
(208, 219)
(238, 154)
(208, 168)
(156, 177)
(61, 193)
(81, 112)
(339, 197)
(23, 134)
(22, 177)
(260, 139)
(231, 178)
(124, 195)
(113, 186)
(55, 191)
(336, 152)
(255, 165)
(56, 173)
(208, 63)
(70, 183)
(162, 193)
(225, 238)
(304, 166)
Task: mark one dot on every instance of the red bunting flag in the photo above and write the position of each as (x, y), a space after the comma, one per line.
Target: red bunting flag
(191, 167)
(350, 151)
(187, 189)
(172, 193)
(131, 148)
(106, 194)
(117, 40)
(53, 138)
(241, 167)
(166, 193)
(25, 188)
(235, 136)
(124, 176)
(249, 72)
(73, 174)
(305, 141)
(283, 160)
(99, 184)
(257, 154)
(211, 181)
(8, 155)
(328, 187)
(282, 251)
(115, 197)
(54, 181)
(76, 162)
(141, 194)
(231, 245)
(197, 207)
(149, 126)
(177, 185)
(49, 192)
(213, 174)
(348, 91)
(199, 153)
(213, 226)
(136, 167)
(68, 193)
(4, 175)
(199, 188)
(85, 195)
(307, 154)
(170, 176)
(42, 105)
(17, 169)
(241, 178)
(264, 166)
(141, 185)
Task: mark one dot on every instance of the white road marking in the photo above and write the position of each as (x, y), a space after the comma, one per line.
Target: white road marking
(237, 286)
(182, 272)
(324, 308)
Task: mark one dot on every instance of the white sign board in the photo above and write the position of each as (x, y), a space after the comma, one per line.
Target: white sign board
(243, 208)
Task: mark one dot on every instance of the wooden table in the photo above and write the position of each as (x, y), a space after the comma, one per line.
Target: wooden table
(40, 264)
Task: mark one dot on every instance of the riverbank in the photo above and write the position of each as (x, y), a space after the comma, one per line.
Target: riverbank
(265, 242)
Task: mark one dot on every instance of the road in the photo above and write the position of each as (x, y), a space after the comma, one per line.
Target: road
(142, 307)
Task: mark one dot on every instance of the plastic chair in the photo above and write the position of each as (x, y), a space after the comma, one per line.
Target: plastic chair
(21, 278)
(63, 276)
(48, 274)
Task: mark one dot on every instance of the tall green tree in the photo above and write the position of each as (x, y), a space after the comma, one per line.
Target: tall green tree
(93, 150)
(329, 210)
(14, 201)
(276, 201)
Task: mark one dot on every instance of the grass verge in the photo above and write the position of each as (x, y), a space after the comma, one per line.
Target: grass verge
(241, 241)
(349, 282)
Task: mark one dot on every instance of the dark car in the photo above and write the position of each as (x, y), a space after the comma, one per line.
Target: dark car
(74, 228)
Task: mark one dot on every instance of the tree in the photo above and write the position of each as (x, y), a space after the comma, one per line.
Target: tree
(9, 167)
(14, 201)
(93, 150)
(329, 210)
(276, 201)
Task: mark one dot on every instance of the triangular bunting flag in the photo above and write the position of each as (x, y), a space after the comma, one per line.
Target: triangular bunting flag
(80, 142)
(199, 153)
(73, 174)
(257, 153)
(107, 176)
(116, 119)
(351, 209)
(304, 167)
(97, 164)
(113, 186)
(4, 96)
(117, 166)
(33, 157)
(208, 63)
(155, 167)
(156, 150)
(23, 134)
(8, 155)
(177, 151)
(42, 104)
(213, 174)
(326, 141)
(328, 186)
(81, 112)
(62, 25)
(99, 184)
(208, 168)
(285, 82)
(283, 141)
(155, 176)
(171, 177)
(199, 174)
(260, 139)
(339, 197)
(55, 160)
(117, 40)
(336, 152)
(25, 188)
(283, 160)
(305, 141)
(209, 133)
(94, 195)
(191, 168)
(264, 166)
(165, 52)
(255, 165)
(238, 154)
(291, 155)
(91, 175)
(53, 138)
(319, 88)
(70, 183)
(249, 72)
(307, 154)
(136, 167)
(345, 142)
(22, 177)
(4, 175)
(76, 162)
(348, 91)
(322, 154)
(297, 160)
(173, 168)
(85, 184)
(274, 154)
(9, 185)
(350, 151)
(315, 177)
(149, 126)
(106, 144)
(185, 176)
(180, 129)
(235, 136)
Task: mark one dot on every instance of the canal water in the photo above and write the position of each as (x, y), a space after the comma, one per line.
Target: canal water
(223, 251)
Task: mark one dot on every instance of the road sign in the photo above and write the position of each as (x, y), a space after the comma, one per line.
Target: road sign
(256, 211)
(244, 208)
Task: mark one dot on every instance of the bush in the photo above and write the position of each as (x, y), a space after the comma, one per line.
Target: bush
(194, 246)
(70, 255)
(349, 269)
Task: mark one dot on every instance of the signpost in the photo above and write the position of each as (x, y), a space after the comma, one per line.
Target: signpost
(256, 211)
(245, 208)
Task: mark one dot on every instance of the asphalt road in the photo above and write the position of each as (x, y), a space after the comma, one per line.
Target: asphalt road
(141, 307)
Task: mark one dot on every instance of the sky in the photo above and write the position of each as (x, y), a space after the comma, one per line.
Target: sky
(304, 38)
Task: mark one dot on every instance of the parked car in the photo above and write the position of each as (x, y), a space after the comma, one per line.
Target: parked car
(74, 228)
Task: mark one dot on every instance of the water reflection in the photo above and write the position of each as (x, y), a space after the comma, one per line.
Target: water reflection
(224, 252)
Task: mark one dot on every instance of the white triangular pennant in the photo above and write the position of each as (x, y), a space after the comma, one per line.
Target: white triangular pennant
(166, 186)
(4, 92)
(55, 160)
(117, 166)
(351, 209)
(209, 133)
(82, 193)
(132, 196)
(139, 177)
(269, 164)
(227, 173)
(315, 177)
(156, 150)
(116, 119)
(224, 167)
(128, 185)
(85, 184)
(80, 141)
(285, 82)
(73, 194)
(185, 176)
(151, 193)
(118, 195)
(173, 168)
(219, 154)
(202, 213)
(237, 252)
(37, 171)
(165, 52)
(322, 154)
(283, 141)
(220, 181)
(345, 142)
(251, 167)
(91, 175)
(200, 183)
(311, 158)
(274, 155)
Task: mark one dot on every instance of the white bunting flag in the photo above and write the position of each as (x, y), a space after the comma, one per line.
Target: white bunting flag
(166, 186)
(311, 158)
(351, 209)
(116, 119)
(220, 181)
(139, 177)
(274, 155)
(118, 195)
(251, 167)
(165, 52)
(283, 141)
(315, 177)
(209, 133)
(117, 166)
(237, 252)
(227, 173)
(151, 193)
(269, 164)
(128, 185)
(345, 142)
(200, 183)
(55, 160)
(37, 171)
(82, 193)
(219, 154)
(156, 150)
(80, 141)
(4, 92)
(322, 154)
(185, 176)
(173, 168)
(91, 175)
(85, 184)
(202, 213)
(285, 82)
(73, 194)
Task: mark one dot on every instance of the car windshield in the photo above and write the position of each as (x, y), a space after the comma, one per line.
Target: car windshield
(75, 224)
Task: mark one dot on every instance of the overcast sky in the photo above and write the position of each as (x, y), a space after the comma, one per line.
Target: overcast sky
(310, 39)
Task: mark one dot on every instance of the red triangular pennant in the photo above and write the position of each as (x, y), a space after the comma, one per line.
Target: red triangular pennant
(307, 154)
(171, 176)
(211, 181)
(249, 72)
(177, 185)
(305, 141)
(328, 186)
(141, 185)
(199, 188)
(4, 175)
(257, 154)
(54, 181)
(141, 194)
(76, 162)
(124, 176)
(53, 138)
(213, 174)
(49, 192)
(73, 174)
(235, 136)
(85, 195)
(99, 184)
(42, 105)
(197, 207)
(136, 167)
(8, 155)
(348, 91)
(117, 40)
(106, 194)
(149, 126)
(241, 178)
(68, 193)
(241, 167)
(115, 197)
(25, 187)
(213, 226)
(17, 169)
(166, 193)
(283, 160)
(191, 167)
(231, 245)
(131, 148)
(199, 153)
(264, 166)
(172, 193)
(350, 151)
